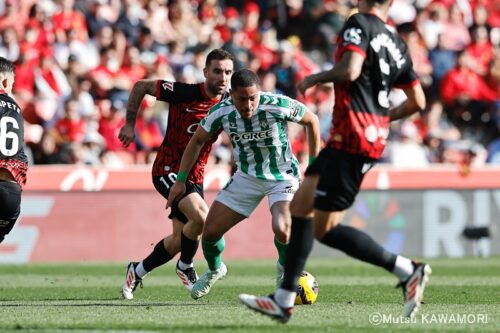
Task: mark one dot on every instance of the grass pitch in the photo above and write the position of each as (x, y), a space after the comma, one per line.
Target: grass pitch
(463, 295)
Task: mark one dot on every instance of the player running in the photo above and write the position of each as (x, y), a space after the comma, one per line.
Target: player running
(13, 161)
(188, 104)
(371, 59)
(256, 122)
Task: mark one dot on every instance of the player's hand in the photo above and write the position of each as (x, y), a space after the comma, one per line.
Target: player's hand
(126, 134)
(305, 84)
(176, 193)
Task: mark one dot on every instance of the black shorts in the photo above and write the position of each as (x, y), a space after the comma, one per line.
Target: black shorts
(10, 205)
(340, 176)
(163, 185)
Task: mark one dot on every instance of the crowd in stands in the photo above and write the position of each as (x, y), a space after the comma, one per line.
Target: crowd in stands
(77, 60)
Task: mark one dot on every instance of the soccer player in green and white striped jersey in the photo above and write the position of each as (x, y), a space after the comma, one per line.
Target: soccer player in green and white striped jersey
(256, 122)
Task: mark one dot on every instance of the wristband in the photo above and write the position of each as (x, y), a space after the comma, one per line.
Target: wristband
(311, 159)
(181, 176)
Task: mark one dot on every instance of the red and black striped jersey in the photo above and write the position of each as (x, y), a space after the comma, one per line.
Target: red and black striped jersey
(360, 122)
(188, 104)
(12, 156)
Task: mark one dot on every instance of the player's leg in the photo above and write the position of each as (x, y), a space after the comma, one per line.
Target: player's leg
(219, 220)
(163, 252)
(280, 304)
(195, 209)
(280, 194)
(231, 206)
(281, 223)
(340, 186)
(10, 206)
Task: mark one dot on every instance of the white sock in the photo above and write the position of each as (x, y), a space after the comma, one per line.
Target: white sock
(140, 271)
(285, 298)
(182, 265)
(403, 268)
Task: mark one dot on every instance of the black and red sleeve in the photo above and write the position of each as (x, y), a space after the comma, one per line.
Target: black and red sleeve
(176, 92)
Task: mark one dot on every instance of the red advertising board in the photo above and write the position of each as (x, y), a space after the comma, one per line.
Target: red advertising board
(85, 214)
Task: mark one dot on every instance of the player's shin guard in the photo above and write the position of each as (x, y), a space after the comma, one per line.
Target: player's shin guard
(301, 242)
(158, 257)
(188, 249)
(213, 252)
(359, 245)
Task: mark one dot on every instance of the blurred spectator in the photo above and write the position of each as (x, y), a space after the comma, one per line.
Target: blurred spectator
(442, 60)
(480, 50)
(93, 51)
(285, 70)
(466, 94)
(407, 152)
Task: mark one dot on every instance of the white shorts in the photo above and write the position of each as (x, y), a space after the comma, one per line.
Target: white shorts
(243, 193)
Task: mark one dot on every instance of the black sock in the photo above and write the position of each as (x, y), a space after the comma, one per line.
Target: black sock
(158, 257)
(301, 242)
(359, 245)
(188, 249)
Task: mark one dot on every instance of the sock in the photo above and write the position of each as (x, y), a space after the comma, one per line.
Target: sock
(188, 249)
(281, 247)
(182, 265)
(158, 257)
(301, 242)
(285, 298)
(403, 268)
(140, 271)
(359, 245)
(213, 252)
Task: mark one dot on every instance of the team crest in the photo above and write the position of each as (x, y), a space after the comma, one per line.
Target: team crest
(264, 124)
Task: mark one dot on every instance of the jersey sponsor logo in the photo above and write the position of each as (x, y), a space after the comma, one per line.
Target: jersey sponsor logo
(373, 133)
(168, 86)
(384, 40)
(352, 35)
(289, 190)
(192, 128)
(251, 136)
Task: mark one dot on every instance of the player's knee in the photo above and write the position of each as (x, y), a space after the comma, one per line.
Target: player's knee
(210, 233)
(319, 232)
(300, 209)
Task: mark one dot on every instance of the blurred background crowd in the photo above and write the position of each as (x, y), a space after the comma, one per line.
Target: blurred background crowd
(77, 60)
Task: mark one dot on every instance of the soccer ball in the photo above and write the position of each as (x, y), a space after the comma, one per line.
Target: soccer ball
(308, 289)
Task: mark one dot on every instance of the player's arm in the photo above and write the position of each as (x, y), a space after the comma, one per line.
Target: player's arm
(190, 156)
(141, 88)
(311, 122)
(347, 69)
(415, 102)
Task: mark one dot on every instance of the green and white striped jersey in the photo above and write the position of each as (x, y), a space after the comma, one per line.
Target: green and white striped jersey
(260, 144)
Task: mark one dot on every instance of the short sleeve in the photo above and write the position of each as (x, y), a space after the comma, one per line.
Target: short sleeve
(354, 36)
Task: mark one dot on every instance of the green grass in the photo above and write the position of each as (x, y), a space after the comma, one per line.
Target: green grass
(85, 298)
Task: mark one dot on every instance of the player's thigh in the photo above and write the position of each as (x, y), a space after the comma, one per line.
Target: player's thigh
(242, 193)
(164, 183)
(10, 205)
(280, 194)
(220, 219)
(194, 207)
(303, 200)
